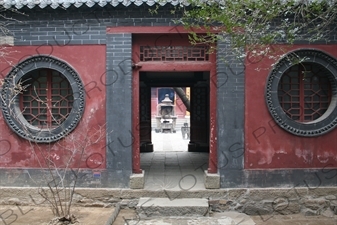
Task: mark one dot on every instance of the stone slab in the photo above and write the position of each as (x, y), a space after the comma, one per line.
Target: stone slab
(184, 221)
(149, 207)
(180, 202)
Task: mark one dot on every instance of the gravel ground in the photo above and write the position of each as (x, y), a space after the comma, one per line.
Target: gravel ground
(33, 215)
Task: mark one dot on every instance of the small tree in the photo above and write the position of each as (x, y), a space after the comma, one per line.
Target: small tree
(62, 168)
(60, 161)
(255, 25)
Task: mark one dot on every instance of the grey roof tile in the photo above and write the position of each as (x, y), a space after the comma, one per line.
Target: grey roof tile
(77, 3)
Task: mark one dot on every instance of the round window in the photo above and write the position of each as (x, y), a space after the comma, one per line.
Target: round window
(301, 93)
(46, 99)
(42, 99)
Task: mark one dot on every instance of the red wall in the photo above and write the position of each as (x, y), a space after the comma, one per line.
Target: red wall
(89, 62)
(266, 144)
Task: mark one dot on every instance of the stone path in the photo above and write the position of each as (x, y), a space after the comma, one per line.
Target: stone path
(174, 170)
(185, 221)
(171, 167)
(163, 207)
(169, 142)
(232, 218)
(227, 218)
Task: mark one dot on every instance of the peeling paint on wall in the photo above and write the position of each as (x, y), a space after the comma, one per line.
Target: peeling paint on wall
(267, 146)
(15, 152)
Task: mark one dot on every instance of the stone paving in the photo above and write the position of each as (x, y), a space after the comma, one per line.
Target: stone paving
(185, 221)
(233, 218)
(169, 142)
(172, 207)
(170, 166)
(225, 218)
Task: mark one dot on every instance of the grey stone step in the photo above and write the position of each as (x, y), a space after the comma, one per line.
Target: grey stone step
(184, 221)
(152, 207)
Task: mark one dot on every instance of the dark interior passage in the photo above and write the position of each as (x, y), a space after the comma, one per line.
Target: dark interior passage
(199, 106)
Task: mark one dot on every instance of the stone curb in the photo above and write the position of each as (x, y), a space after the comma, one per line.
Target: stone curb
(114, 215)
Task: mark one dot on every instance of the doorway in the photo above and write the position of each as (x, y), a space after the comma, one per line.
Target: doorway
(163, 57)
(169, 160)
(199, 121)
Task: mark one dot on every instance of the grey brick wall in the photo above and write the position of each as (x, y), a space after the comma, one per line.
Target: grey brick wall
(78, 26)
(119, 109)
(230, 115)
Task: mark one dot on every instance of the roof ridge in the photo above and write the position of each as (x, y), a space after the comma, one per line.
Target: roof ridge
(78, 3)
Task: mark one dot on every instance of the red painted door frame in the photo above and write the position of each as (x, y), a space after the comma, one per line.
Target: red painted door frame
(165, 66)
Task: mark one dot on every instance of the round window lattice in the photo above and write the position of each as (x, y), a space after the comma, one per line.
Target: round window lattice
(323, 124)
(11, 104)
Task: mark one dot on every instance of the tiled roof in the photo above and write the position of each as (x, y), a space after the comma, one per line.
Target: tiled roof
(77, 3)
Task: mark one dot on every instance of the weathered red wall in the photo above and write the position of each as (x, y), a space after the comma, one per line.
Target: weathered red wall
(266, 144)
(89, 62)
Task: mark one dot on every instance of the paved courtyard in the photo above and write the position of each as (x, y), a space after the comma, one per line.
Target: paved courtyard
(169, 142)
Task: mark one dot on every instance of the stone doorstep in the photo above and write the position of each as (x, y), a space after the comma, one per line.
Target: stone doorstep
(212, 180)
(149, 207)
(137, 180)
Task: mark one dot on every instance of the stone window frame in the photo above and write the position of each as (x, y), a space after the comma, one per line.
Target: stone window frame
(318, 127)
(11, 101)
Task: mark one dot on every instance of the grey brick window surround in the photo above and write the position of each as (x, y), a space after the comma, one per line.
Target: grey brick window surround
(327, 119)
(12, 90)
